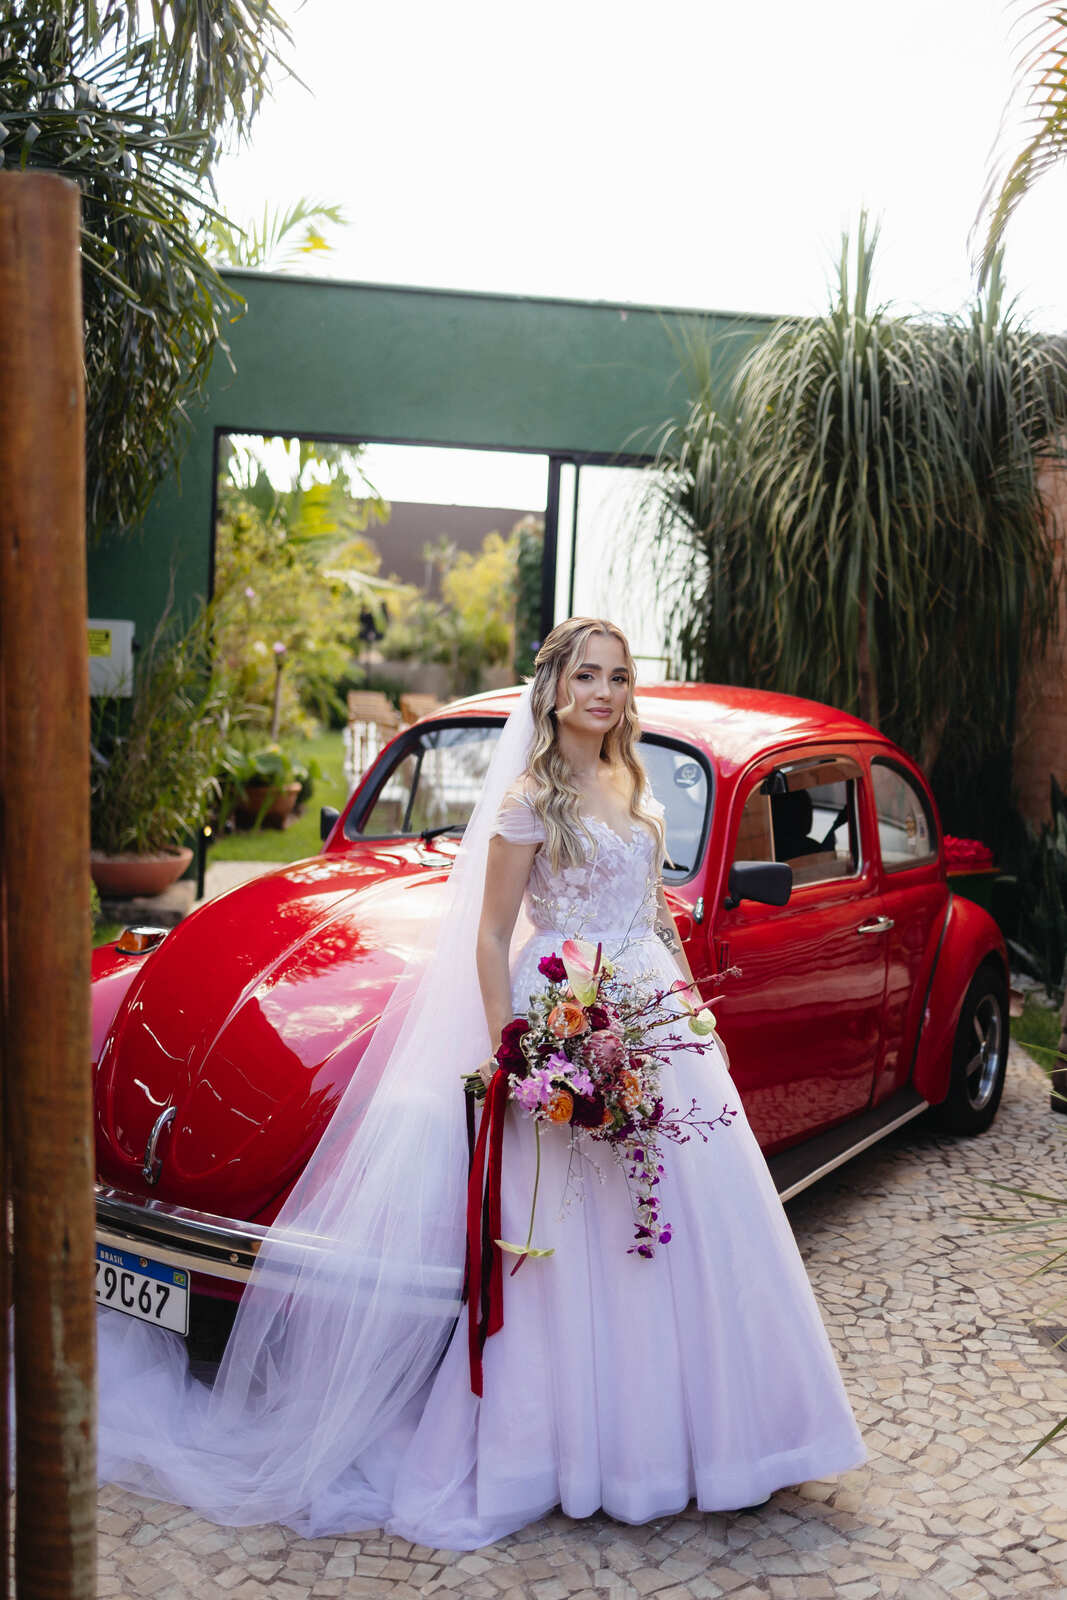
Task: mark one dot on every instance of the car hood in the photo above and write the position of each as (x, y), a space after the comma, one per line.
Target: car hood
(249, 1020)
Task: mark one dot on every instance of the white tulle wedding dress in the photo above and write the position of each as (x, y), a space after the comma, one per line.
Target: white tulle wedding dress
(616, 1382)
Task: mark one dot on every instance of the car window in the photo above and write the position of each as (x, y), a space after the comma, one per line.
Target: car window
(434, 781)
(906, 831)
(436, 775)
(682, 783)
(804, 814)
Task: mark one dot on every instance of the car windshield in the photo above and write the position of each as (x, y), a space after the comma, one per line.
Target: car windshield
(433, 778)
(436, 776)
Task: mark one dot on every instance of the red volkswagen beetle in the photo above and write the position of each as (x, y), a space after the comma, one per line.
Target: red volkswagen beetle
(807, 883)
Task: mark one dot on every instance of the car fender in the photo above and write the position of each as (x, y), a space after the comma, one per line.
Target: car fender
(112, 974)
(968, 937)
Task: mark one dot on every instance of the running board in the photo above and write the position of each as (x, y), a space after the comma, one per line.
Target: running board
(804, 1164)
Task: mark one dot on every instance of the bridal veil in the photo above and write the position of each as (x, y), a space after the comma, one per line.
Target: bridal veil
(357, 1286)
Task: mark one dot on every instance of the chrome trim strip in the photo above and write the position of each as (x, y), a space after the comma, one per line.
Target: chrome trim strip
(202, 1242)
(853, 1150)
(196, 1240)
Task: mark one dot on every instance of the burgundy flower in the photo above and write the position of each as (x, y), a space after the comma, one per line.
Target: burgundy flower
(598, 1017)
(552, 968)
(509, 1054)
(588, 1111)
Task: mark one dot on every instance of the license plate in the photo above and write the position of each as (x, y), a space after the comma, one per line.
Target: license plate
(142, 1288)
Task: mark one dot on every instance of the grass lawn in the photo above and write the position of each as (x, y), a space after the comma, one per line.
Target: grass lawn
(301, 837)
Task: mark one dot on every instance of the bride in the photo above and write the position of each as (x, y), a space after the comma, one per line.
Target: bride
(344, 1400)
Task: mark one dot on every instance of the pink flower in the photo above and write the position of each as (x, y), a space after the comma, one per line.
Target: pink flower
(250, 593)
(604, 1049)
(552, 968)
(279, 648)
(582, 962)
(536, 1090)
(526, 1093)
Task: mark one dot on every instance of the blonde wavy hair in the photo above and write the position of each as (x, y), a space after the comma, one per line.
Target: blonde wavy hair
(549, 782)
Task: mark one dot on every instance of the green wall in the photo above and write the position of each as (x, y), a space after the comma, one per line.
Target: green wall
(367, 361)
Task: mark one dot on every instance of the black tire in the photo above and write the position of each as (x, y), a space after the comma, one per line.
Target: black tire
(979, 1055)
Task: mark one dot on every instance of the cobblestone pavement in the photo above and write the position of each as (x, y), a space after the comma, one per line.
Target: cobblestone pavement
(931, 1319)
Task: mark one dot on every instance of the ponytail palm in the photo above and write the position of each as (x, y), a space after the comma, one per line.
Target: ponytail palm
(866, 524)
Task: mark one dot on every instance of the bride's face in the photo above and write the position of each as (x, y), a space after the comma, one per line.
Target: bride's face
(598, 684)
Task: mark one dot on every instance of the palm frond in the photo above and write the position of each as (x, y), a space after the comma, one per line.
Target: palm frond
(1041, 81)
(130, 102)
(269, 243)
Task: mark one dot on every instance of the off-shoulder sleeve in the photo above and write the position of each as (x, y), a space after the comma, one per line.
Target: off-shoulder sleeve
(651, 804)
(517, 821)
(656, 808)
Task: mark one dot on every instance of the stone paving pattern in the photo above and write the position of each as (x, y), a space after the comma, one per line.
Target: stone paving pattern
(933, 1322)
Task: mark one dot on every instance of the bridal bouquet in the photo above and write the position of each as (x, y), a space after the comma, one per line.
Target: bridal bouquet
(588, 1055)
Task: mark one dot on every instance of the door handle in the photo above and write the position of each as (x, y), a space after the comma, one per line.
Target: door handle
(879, 925)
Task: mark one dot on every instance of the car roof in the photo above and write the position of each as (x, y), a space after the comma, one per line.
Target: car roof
(735, 724)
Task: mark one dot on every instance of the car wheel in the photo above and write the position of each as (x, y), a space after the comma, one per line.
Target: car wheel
(979, 1055)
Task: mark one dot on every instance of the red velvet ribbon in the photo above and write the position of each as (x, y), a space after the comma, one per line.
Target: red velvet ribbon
(485, 1259)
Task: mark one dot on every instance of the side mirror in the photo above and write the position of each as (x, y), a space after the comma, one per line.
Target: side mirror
(769, 882)
(328, 816)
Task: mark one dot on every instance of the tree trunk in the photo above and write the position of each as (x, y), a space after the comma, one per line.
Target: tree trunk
(868, 685)
(44, 874)
(932, 737)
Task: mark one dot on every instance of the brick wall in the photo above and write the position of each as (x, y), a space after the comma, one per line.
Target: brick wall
(1041, 708)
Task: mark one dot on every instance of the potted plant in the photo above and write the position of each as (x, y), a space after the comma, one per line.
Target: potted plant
(154, 761)
(268, 784)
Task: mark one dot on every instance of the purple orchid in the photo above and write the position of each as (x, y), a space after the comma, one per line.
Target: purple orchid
(580, 1081)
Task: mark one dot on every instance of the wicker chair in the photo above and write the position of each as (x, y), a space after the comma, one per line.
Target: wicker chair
(372, 721)
(414, 706)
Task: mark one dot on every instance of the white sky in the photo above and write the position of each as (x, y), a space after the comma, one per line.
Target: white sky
(682, 153)
(688, 152)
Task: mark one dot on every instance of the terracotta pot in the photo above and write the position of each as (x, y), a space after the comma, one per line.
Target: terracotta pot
(278, 804)
(126, 875)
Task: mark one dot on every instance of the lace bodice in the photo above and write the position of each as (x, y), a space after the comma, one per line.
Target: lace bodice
(611, 896)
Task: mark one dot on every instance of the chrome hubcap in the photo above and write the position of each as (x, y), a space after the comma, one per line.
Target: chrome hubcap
(984, 1065)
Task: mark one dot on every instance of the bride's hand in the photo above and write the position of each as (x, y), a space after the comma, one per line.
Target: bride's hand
(487, 1069)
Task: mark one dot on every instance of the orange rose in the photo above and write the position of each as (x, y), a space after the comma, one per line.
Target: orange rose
(631, 1089)
(560, 1106)
(566, 1019)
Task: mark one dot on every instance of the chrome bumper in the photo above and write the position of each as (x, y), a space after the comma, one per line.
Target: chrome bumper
(220, 1248)
(195, 1240)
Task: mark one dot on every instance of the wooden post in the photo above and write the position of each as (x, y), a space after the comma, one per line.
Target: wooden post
(44, 850)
